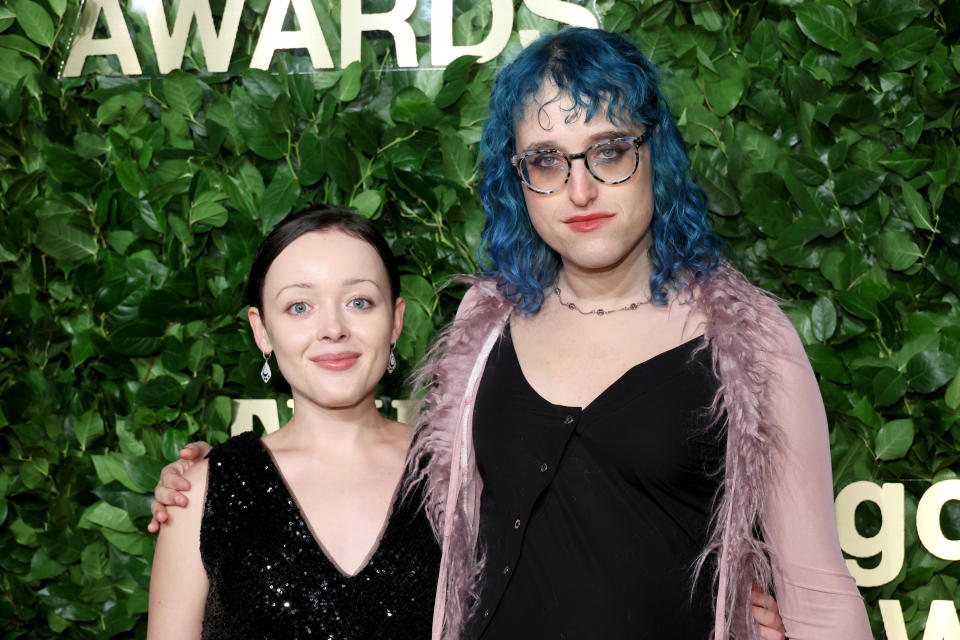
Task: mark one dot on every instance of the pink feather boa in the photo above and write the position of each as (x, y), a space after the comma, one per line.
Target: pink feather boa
(740, 330)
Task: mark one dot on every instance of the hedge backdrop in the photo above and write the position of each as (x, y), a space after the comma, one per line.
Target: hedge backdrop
(822, 132)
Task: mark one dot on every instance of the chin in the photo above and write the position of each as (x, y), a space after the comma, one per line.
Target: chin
(345, 399)
(596, 261)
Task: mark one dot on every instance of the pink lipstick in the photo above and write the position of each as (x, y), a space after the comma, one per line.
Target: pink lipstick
(588, 222)
(340, 361)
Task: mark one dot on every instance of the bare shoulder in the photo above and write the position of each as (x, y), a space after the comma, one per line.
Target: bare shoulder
(691, 319)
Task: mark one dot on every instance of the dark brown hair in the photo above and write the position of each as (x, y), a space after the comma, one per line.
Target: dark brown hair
(322, 218)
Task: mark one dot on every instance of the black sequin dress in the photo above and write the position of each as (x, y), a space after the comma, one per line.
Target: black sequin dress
(270, 579)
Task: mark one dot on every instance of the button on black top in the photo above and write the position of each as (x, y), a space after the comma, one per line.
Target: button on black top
(612, 501)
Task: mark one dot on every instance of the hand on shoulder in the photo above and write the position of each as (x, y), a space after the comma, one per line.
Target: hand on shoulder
(173, 485)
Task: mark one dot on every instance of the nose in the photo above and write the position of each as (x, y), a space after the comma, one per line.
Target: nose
(581, 187)
(331, 325)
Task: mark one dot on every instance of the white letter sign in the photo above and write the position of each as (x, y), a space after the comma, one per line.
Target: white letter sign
(118, 44)
(273, 37)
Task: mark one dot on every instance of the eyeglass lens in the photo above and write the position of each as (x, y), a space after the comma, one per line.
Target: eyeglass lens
(612, 161)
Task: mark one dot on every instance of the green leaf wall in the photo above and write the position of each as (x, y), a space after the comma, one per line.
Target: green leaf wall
(822, 132)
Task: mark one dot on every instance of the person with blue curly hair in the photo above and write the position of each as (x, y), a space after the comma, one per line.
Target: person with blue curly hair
(621, 437)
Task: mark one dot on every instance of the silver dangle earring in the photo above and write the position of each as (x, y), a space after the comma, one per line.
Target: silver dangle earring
(266, 373)
(392, 362)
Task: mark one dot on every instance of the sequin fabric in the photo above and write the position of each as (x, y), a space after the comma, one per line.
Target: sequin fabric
(270, 579)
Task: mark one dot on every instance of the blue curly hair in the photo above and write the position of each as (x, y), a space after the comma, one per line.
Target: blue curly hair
(601, 72)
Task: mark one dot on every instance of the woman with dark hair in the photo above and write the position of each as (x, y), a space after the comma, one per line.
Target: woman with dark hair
(305, 533)
(621, 435)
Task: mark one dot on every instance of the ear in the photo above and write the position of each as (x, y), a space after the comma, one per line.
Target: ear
(398, 308)
(259, 330)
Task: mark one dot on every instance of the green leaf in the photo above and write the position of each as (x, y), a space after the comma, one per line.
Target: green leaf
(143, 470)
(418, 289)
(762, 48)
(66, 602)
(725, 89)
(888, 386)
(720, 195)
(222, 412)
(312, 162)
(137, 544)
(130, 178)
(350, 82)
(886, 17)
(908, 47)
(458, 159)
(827, 362)
(137, 338)
(706, 16)
(162, 391)
(6, 18)
(173, 441)
(89, 145)
(87, 428)
(808, 170)
(619, 18)
(111, 467)
(823, 317)
(207, 210)
(898, 249)
(82, 346)
(894, 439)
(65, 166)
(35, 21)
(927, 371)
(43, 567)
(906, 162)
(367, 202)
(183, 92)
(855, 185)
(916, 207)
(64, 242)
(278, 198)
(460, 68)
(450, 93)
(262, 87)
(33, 472)
(254, 125)
(106, 516)
(825, 24)
(341, 163)
(18, 43)
(952, 395)
(244, 189)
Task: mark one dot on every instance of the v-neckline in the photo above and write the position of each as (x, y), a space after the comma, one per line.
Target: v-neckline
(302, 517)
(508, 334)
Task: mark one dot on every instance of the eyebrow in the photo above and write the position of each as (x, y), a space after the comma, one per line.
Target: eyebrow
(551, 143)
(349, 282)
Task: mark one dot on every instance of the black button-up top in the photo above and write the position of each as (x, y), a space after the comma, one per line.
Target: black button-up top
(592, 518)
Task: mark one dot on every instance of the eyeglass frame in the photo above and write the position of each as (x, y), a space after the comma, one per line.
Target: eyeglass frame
(638, 141)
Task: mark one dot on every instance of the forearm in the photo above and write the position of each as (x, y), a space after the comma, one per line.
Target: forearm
(818, 598)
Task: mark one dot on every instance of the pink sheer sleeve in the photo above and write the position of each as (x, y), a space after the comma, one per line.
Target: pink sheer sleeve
(818, 598)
